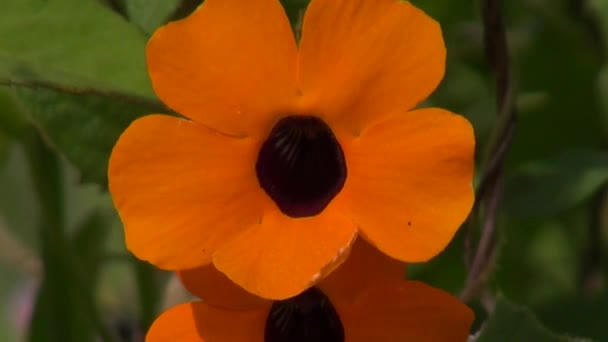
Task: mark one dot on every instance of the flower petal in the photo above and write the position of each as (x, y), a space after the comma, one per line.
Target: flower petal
(407, 311)
(364, 267)
(182, 190)
(281, 257)
(231, 65)
(216, 290)
(410, 182)
(361, 61)
(198, 322)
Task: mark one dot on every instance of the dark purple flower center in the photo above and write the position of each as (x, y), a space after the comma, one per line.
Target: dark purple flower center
(301, 165)
(307, 317)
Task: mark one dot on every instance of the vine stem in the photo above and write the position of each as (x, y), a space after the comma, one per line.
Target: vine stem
(480, 261)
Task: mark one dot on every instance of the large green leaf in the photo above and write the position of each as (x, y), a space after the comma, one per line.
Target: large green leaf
(549, 186)
(510, 323)
(84, 128)
(72, 44)
(580, 314)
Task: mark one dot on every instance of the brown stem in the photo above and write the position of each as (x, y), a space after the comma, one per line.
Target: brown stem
(489, 193)
(591, 260)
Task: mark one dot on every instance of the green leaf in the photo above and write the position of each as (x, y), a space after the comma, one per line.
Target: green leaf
(84, 128)
(578, 314)
(511, 323)
(294, 10)
(150, 14)
(12, 119)
(548, 187)
(75, 44)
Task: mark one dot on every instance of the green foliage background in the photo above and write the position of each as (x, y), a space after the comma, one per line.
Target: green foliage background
(73, 76)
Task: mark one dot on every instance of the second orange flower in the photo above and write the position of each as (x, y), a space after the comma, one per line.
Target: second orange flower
(290, 152)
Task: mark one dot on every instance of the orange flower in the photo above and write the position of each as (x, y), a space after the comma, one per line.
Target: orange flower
(288, 152)
(366, 299)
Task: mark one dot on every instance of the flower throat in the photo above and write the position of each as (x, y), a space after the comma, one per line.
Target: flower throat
(301, 165)
(307, 317)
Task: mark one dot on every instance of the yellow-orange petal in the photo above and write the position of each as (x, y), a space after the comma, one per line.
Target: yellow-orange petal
(406, 311)
(181, 190)
(410, 182)
(230, 65)
(363, 60)
(198, 322)
(281, 256)
(215, 289)
(364, 267)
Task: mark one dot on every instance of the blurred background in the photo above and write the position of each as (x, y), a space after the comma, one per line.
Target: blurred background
(72, 77)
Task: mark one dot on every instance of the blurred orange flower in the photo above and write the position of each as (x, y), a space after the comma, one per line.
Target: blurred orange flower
(289, 152)
(366, 299)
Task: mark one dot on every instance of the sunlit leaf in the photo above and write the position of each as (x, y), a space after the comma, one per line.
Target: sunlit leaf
(84, 128)
(73, 44)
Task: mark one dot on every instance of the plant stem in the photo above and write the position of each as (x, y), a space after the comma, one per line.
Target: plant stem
(149, 291)
(489, 193)
(64, 287)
